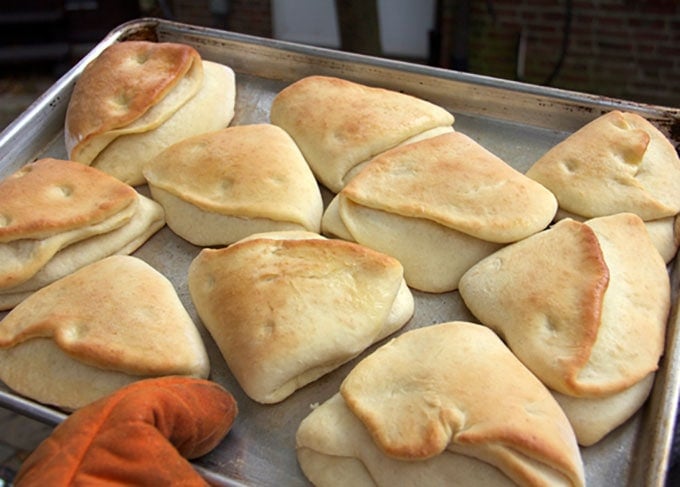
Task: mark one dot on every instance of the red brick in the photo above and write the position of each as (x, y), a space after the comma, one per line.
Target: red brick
(669, 50)
(660, 7)
(643, 23)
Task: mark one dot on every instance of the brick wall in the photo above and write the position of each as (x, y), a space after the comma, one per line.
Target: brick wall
(195, 12)
(250, 17)
(625, 49)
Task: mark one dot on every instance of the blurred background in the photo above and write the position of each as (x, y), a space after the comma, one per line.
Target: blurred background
(618, 48)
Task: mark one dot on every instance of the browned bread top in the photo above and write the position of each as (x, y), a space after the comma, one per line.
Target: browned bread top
(125, 81)
(51, 196)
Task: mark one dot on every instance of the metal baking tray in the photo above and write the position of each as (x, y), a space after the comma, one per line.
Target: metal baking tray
(516, 121)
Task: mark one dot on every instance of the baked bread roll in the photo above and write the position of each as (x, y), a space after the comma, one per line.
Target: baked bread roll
(285, 308)
(222, 186)
(584, 306)
(141, 434)
(339, 125)
(617, 163)
(137, 98)
(106, 325)
(447, 404)
(57, 216)
(439, 206)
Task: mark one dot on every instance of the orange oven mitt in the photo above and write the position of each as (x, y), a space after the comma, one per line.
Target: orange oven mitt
(141, 434)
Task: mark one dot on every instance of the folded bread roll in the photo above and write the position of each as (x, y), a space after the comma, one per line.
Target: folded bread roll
(137, 98)
(285, 308)
(595, 417)
(447, 404)
(439, 206)
(584, 306)
(110, 323)
(339, 125)
(617, 163)
(222, 186)
(57, 216)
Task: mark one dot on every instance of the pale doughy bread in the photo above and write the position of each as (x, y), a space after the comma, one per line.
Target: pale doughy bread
(139, 97)
(117, 92)
(665, 236)
(222, 186)
(617, 163)
(51, 206)
(335, 449)
(21, 259)
(286, 308)
(51, 196)
(583, 305)
(113, 321)
(146, 221)
(212, 108)
(595, 417)
(339, 124)
(40, 370)
(437, 404)
(663, 232)
(439, 206)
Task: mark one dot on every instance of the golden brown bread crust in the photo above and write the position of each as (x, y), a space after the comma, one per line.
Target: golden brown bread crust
(619, 162)
(51, 196)
(222, 186)
(438, 205)
(452, 180)
(248, 171)
(581, 278)
(210, 108)
(147, 219)
(338, 123)
(118, 314)
(122, 84)
(455, 386)
(334, 449)
(584, 308)
(288, 307)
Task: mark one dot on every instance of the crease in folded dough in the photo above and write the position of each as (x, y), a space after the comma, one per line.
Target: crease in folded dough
(339, 124)
(584, 306)
(286, 308)
(446, 399)
(222, 186)
(439, 206)
(83, 336)
(617, 163)
(147, 220)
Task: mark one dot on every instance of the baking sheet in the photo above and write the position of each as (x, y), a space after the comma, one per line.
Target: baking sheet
(517, 122)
